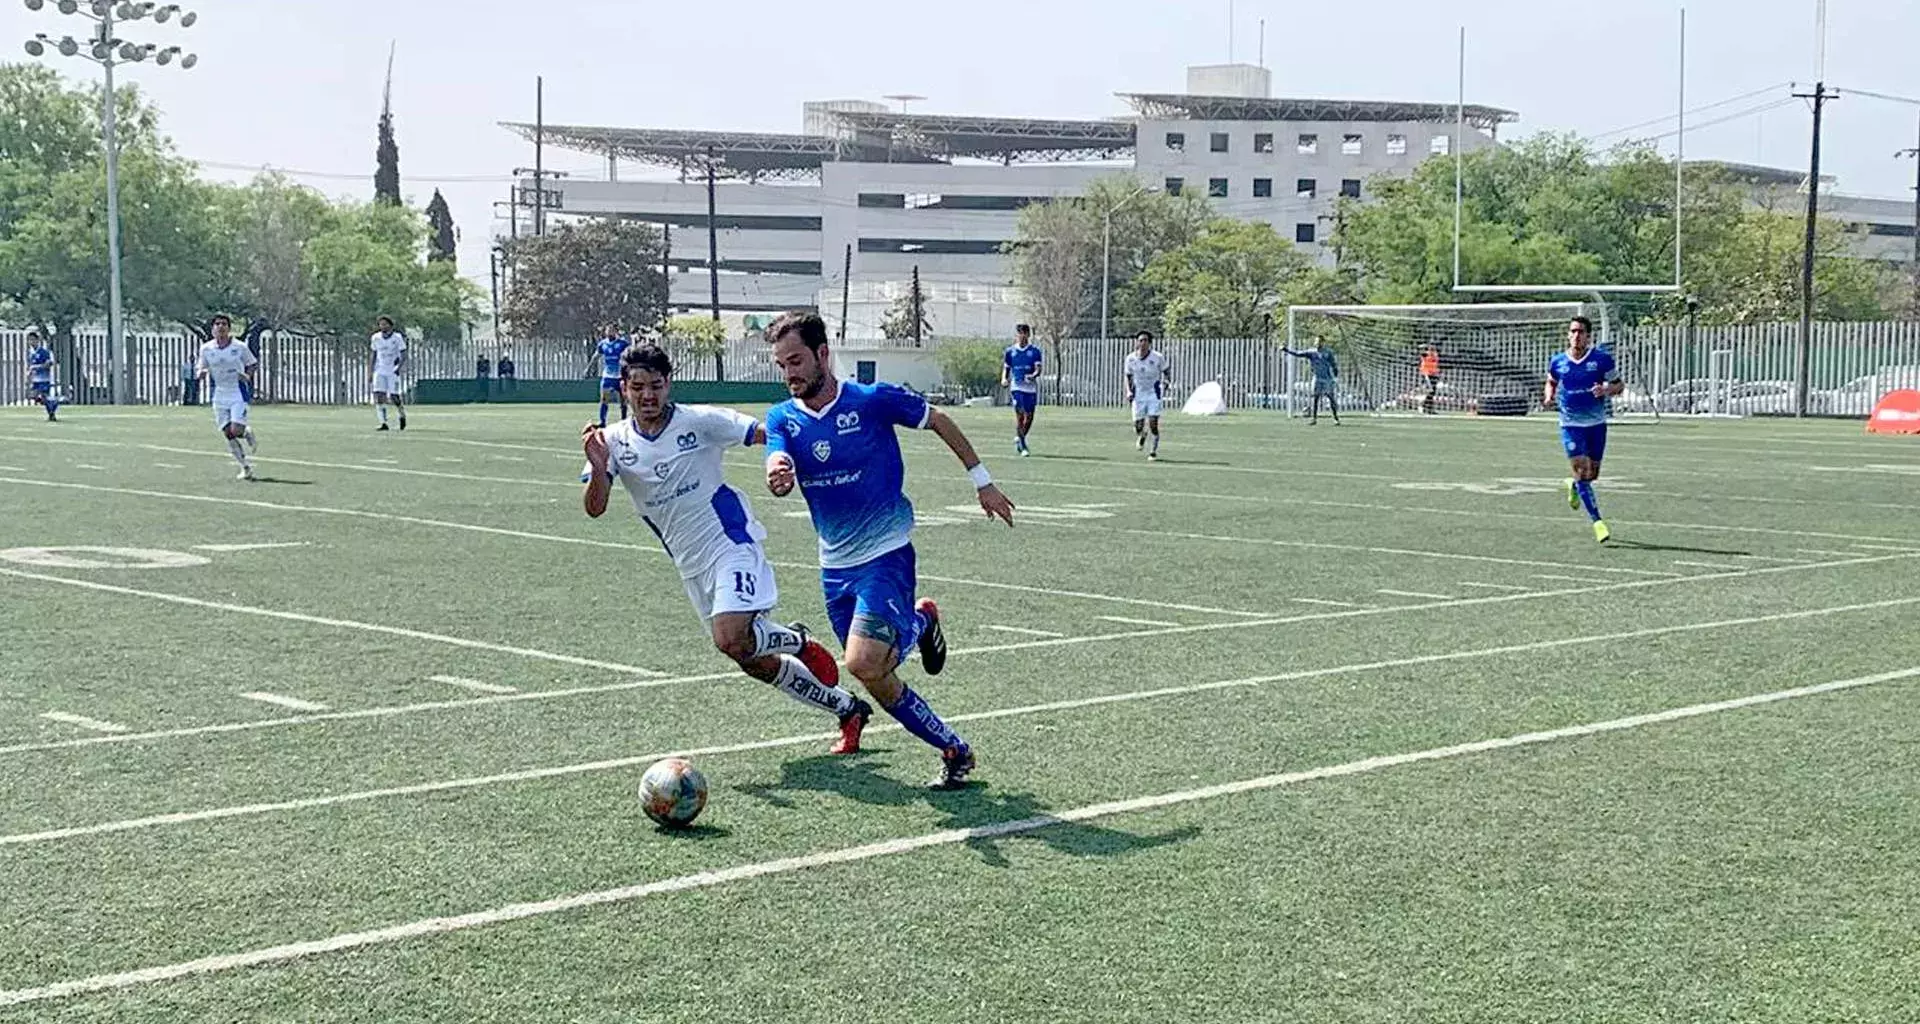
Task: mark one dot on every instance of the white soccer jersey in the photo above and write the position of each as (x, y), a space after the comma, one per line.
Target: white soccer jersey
(224, 367)
(387, 350)
(677, 487)
(1148, 375)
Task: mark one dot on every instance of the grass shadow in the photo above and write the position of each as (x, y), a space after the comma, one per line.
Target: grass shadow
(283, 482)
(1640, 545)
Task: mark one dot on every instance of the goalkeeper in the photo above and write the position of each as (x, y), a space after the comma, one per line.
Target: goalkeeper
(1326, 370)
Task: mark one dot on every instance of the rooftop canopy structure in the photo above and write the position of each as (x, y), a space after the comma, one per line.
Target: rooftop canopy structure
(1176, 107)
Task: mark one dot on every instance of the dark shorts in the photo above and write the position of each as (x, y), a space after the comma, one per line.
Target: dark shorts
(609, 384)
(1590, 442)
(1025, 401)
(875, 599)
(40, 388)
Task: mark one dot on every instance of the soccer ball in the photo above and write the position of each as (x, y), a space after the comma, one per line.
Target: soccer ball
(672, 792)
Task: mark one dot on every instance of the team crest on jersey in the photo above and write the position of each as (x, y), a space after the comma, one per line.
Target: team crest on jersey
(848, 422)
(822, 449)
(687, 441)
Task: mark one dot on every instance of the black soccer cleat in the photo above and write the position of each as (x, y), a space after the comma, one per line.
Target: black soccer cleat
(956, 763)
(933, 639)
(381, 427)
(403, 421)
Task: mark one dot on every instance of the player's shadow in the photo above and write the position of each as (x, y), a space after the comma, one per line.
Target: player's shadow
(1639, 545)
(282, 481)
(1017, 815)
(1072, 458)
(691, 833)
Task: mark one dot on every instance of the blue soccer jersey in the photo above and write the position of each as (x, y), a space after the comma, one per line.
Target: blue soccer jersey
(1023, 367)
(1575, 380)
(611, 349)
(847, 460)
(40, 365)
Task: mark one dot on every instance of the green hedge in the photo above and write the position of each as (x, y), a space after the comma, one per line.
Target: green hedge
(464, 390)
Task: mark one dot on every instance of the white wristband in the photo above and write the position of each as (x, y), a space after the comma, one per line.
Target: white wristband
(981, 478)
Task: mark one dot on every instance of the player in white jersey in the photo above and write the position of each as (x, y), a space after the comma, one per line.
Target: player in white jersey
(383, 367)
(1149, 374)
(226, 367)
(669, 459)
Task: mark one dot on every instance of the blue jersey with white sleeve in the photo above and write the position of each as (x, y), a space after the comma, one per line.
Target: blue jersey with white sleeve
(1023, 367)
(847, 460)
(1575, 380)
(40, 364)
(611, 349)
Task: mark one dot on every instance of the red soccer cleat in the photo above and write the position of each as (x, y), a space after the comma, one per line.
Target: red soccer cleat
(852, 724)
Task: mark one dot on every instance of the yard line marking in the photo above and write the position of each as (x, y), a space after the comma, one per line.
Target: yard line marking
(164, 465)
(509, 458)
(906, 844)
(443, 458)
(290, 703)
(321, 620)
(1023, 631)
(1325, 603)
(1415, 593)
(1827, 553)
(88, 465)
(1558, 579)
(13, 469)
(473, 684)
(1887, 547)
(611, 544)
(83, 722)
(1493, 599)
(1705, 565)
(250, 547)
(1496, 586)
(384, 462)
(557, 771)
(1149, 623)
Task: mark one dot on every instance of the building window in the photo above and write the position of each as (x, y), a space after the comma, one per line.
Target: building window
(883, 200)
(1177, 141)
(922, 200)
(1217, 142)
(1303, 233)
(1263, 188)
(1306, 188)
(934, 246)
(1396, 145)
(1175, 186)
(1350, 188)
(1439, 145)
(1263, 142)
(1308, 145)
(1217, 188)
(1350, 145)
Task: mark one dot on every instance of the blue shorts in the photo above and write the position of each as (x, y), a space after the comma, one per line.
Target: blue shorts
(1025, 401)
(40, 387)
(875, 599)
(1588, 441)
(610, 384)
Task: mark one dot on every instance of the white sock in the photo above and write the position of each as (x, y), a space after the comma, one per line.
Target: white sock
(383, 411)
(239, 452)
(770, 637)
(802, 685)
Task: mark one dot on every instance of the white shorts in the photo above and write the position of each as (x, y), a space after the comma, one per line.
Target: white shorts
(740, 581)
(1146, 407)
(229, 410)
(386, 384)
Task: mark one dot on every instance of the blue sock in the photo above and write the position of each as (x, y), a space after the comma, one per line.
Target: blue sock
(603, 414)
(921, 721)
(1584, 489)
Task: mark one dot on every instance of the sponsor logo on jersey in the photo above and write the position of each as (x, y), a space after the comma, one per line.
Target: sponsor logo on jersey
(848, 422)
(687, 441)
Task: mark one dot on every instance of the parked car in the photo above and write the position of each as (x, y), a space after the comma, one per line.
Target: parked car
(1857, 396)
(1691, 394)
(1762, 398)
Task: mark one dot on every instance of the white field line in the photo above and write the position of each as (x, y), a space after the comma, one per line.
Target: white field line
(1704, 565)
(1149, 623)
(473, 684)
(1325, 603)
(83, 722)
(89, 465)
(386, 462)
(846, 855)
(1023, 631)
(321, 620)
(1563, 579)
(614, 545)
(13, 469)
(279, 701)
(250, 547)
(1496, 586)
(1889, 547)
(1361, 612)
(1416, 593)
(1825, 553)
(531, 774)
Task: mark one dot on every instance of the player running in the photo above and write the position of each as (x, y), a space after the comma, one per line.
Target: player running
(836, 440)
(383, 368)
(669, 458)
(1326, 371)
(1148, 375)
(229, 369)
(1582, 379)
(1020, 375)
(610, 348)
(40, 375)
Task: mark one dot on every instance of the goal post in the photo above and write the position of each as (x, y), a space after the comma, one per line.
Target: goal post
(1491, 357)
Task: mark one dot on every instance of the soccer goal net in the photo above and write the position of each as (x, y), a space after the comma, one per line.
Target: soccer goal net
(1488, 358)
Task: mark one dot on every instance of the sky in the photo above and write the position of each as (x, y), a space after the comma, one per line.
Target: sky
(296, 84)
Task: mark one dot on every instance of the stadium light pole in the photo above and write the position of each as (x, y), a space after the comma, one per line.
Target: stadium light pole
(1106, 254)
(107, 50)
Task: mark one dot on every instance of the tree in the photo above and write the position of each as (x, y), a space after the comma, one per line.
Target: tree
(1052, 252)
(1146, 222)
(1230, 281)
(386, 155)
(897, 324)
(582, 275)
(440, 244)
(369, 261)
(694, 339)
(973, 365)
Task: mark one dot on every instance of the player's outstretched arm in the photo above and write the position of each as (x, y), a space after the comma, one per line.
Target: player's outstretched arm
(598, 486)
(992, 502)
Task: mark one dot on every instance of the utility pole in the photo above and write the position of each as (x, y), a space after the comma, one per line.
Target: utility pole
(1819, 96)
(1915, 154)
(918, 305)
(713, 250)
(846, 291)
(493, 271)
(539, 154)
(666, 275)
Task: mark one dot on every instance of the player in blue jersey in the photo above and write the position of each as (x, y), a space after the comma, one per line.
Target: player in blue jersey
(611, 347)
(1020, 375)
(836, 440)
(1326, 371)
(1580, 380)
(40, 375)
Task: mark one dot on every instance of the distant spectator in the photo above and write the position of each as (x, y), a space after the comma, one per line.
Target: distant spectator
(482, 368)
(189, 383)
(506, 366)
